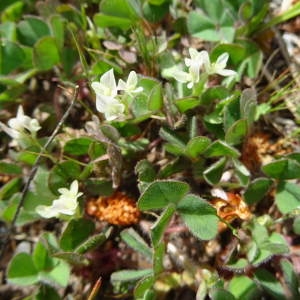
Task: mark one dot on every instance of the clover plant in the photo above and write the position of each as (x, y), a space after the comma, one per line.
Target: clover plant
(96, 100)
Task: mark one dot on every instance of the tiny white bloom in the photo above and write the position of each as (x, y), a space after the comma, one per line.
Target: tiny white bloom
(194, 64)
(66, 203)
(130, 85)
(107, 85)
(21, 126)
(217, 67)
(112, 109)
(106, 92)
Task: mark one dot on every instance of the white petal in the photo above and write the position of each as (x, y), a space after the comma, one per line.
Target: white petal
(109, 81)
(206, 60)
(121, 85)
(102, 102)
(46, 211)
(97, 87)
(74, 187)
(226, 72)
(114, 110)
(34, 126)
(138, 90)
(190, 85)
(11, 132)
(222, 60)
(66, 206)
(193, 53)
(20, 112)
(181, 76)
(132, 79)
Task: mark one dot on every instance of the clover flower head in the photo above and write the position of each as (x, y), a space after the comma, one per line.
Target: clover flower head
(20, 126)
(130, 86)
(106, 96)
(66, 203)
(217, 67)
(194, 64)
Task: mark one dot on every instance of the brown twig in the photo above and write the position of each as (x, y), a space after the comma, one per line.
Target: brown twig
(95, 289)
(34, 170)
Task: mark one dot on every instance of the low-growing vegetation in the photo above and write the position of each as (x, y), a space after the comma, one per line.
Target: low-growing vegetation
(149, 149)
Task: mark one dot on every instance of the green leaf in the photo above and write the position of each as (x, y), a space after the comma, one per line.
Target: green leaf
(63, 174)
(159, 227)
(45, 54)
(130, 275)
(253, 58)
(59, 275)
(104, 21)
(184, 104)
(220, 148)
(237, 265)
(276, 244)
(72, 258)
(136, 242)
(248, 105)
(242, 287)
(46, 292)
(41, 258)
(72, 15)
(257, 189)
(287, 196)
(205, 27)
(221, 294)
(231, 112)
(197, 146)
(93, 242)
(234, 135)
(11, 57)
(155, 101)
(269, 283)
(79, 146)
(155, 13)
(171, 137)
(214, 173)
(8, 31)
(39, 194)
(9, 168)
(142, 286)
(161, 193)
(58, 29)
(296, 225)
(22, 271)
(241, 172)
(31, 30)
(282, 169)
(145, 171)
(236, 52)
(158, 257)
(290, 278)
(77, 231)
(116, 13)
(199, 216)
(10, 188)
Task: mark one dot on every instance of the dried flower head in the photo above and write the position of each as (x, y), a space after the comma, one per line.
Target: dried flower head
(231, 208)
(118, 209)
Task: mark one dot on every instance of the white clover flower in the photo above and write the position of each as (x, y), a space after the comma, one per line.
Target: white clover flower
(217, 67)
(66, 203)
(194, 64)
(21, 126)
(107, 86)
(130, 85)
(106, 92)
